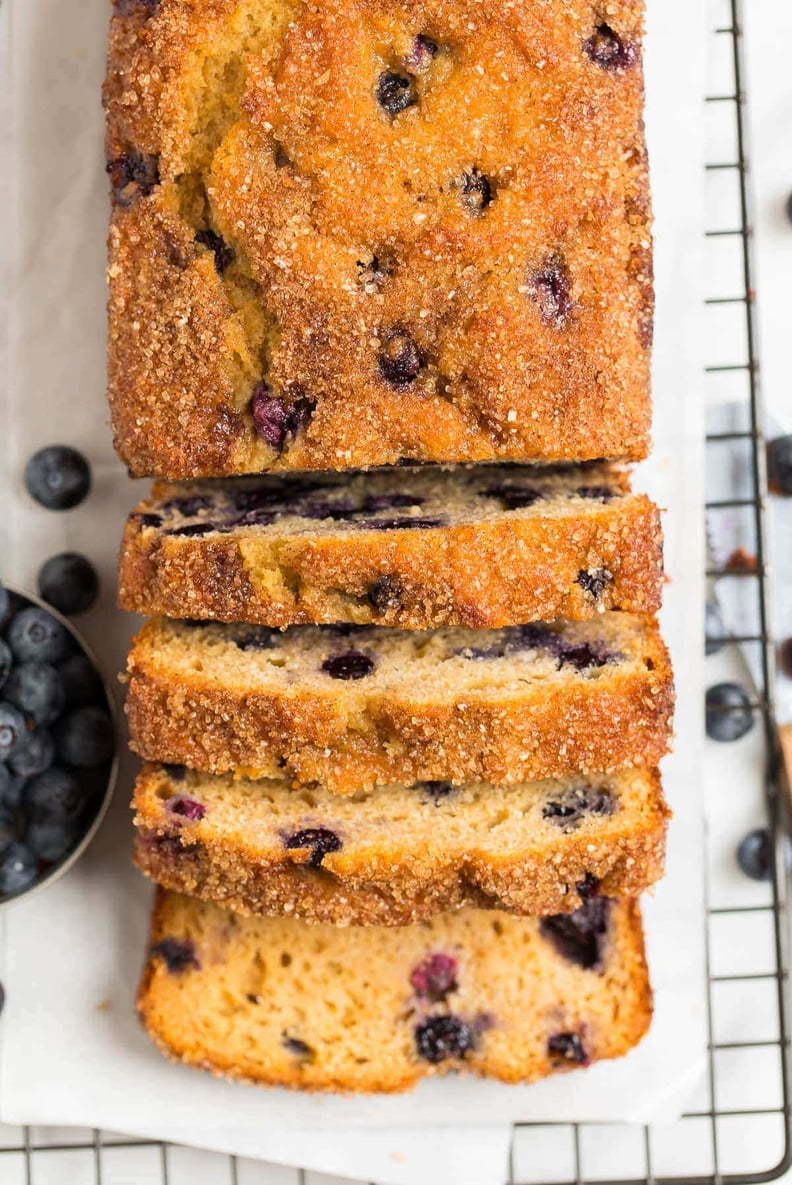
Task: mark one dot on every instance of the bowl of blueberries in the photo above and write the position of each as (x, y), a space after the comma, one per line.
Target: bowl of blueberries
(58, 750)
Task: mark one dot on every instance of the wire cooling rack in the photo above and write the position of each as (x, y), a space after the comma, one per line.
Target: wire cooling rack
(737, 1130)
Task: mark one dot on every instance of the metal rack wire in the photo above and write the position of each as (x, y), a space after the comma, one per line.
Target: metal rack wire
(704, 1145)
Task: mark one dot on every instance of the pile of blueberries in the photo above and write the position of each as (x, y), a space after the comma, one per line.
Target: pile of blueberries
(56, 743)
(57, 739)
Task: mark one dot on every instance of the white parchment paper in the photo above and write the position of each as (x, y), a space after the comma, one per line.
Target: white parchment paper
(71, 1051)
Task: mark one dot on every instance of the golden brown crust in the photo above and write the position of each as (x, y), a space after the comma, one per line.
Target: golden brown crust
(620, 719)
(378, 877)
(485, 574)
(527, 315)
(514, 990)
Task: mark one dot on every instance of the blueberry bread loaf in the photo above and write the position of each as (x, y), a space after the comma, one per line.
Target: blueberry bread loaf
(398, 854)
(375, 1009)
(351, 707)
(409, 548)
(348, 232)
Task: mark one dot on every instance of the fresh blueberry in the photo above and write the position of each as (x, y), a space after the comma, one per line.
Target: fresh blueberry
(442, 1037)
(36, 689)
(728, 712)
(551, 289)
(276, 422)
(395, 92)
(594, 582)
(421, 54)
(567, 1047)
(11, 789)
(435, 977)
(571, 807)
(579, 936)
(399, 359)
(385, 594)
(318, 841)
(35, 636)
(58, 477)
(715, 630)
(56, 794)
(223, 254)
(755, 855)
(84, 737)
(6, 661)
(352, 665)
(475, 191)
(18, 868)
(50, 839)
(132, 176)
(12, 730)
(779, 465)
(186, 808)
(81, 681)
(8, 828)
(35, 754)
(69, 583)
(179, 955)
(6, 606)
(607, 49)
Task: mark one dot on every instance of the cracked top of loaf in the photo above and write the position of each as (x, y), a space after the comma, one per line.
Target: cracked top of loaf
(349, 232)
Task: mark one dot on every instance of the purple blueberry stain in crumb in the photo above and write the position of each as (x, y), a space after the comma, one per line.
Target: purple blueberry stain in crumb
(186, 808)
(588, 887)
(395, 92)
(385, 594)
(567, 1048)
(577, 803)
(586, 656)
(514, 497)
(176, 773)
(399, 359)
(580, 936)
(609, 51)
(434, 791)
(189, 506)
(299, 1049)
(223, 254)
(439, 1038)
(421, 54)
(594, 581)
(275, 421)
(130, 7)
(147, 519)
(352, 665)
(475, 191)
(375, 503)
(600, 492)
(435, 977)
(550, 287)
(132, 176)
(255, 638)
(178, 954)
(317, 841)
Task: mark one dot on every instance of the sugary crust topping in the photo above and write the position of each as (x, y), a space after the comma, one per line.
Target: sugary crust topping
(356, 231)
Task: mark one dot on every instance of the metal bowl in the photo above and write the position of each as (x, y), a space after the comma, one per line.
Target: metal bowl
(71, 859)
